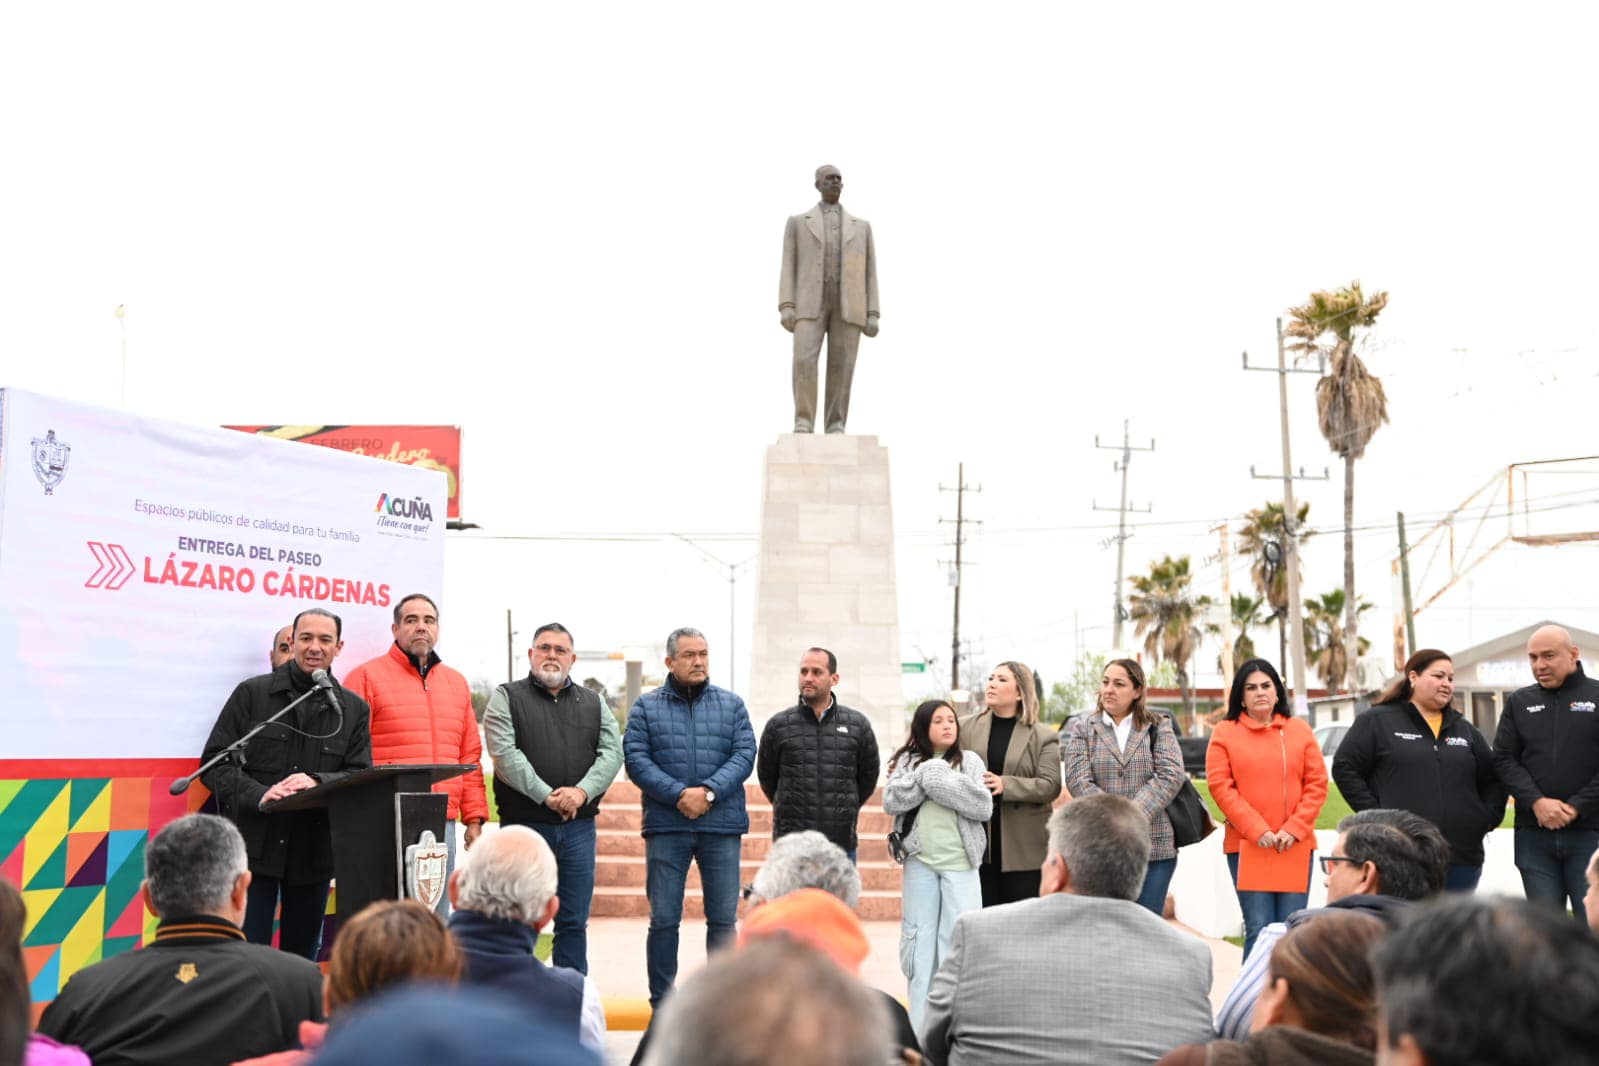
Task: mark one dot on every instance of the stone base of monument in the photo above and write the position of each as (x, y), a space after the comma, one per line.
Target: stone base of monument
(826, 578)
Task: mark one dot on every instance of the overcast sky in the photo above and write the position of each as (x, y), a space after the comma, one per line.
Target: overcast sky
(559, 227)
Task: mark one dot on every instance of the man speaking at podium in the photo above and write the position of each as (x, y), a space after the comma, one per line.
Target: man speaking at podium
(321, 740)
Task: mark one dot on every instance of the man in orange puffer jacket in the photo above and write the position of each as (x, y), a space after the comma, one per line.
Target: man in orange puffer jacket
(422, 713)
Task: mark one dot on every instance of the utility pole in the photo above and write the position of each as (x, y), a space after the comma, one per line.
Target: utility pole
(960, 490)
(1296, 611)
(1227, 664)
(510, 649)
(1127, 451)
(1404, 578)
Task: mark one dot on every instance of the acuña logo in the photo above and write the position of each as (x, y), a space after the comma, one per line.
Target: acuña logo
(401, 507)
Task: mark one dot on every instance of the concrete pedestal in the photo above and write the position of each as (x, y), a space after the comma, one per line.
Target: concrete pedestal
(826, 578)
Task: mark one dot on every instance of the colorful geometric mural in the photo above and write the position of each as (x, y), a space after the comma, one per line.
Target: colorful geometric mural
(74, 844)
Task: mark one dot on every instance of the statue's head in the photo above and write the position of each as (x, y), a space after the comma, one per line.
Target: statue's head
(829, 182)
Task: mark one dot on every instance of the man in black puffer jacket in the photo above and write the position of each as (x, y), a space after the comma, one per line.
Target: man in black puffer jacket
(818, 760)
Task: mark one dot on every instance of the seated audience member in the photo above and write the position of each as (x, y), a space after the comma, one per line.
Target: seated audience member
(814, 917)
(1383, 861)
(503, 894)
(773, 1001)
(16, 1045)
(387, 944)
(806, 889)
(199, 993)
(1472, 980)
(1138, 987)
(451, 1027)
(806, 859)
(1318, 1007)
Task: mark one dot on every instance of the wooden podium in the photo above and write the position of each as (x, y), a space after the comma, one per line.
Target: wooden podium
(375, 814)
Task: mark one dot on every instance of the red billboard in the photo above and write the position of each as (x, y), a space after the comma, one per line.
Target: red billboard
(432, 447)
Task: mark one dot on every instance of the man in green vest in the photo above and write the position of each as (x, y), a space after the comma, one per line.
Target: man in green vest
(556, 750)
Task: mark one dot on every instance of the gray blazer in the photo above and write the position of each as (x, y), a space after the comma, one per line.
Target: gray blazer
(962, 791)
(1131, 988)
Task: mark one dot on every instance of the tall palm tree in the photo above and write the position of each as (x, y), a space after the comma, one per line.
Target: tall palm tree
(1168, 615)
(1350, 402)
(1245, 616)
(1325, 637)
(1262, 527)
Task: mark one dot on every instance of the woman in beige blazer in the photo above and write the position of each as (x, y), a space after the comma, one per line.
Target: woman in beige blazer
(1024, 778)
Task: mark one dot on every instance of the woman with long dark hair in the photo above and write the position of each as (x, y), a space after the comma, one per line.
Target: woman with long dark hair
(1267, 775)
(932, 781)
(1023, 759)
(1125, 749)
(1414, 752)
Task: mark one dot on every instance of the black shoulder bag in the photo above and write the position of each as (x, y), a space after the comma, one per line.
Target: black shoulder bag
(902, 829)
(1190, 818)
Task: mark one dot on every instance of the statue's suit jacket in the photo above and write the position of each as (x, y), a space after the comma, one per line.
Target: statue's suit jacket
(1066, 979)
(801, 284)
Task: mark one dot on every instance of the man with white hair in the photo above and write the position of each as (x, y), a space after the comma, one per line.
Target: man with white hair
(806, 859)
(199, 992)
(503, 895)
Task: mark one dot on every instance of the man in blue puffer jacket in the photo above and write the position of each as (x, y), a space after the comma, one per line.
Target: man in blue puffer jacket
(689, 748)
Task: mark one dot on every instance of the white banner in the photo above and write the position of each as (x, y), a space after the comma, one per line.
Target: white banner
(145, 565)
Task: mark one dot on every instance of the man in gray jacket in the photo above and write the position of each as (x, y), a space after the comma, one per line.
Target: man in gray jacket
(1138, 987)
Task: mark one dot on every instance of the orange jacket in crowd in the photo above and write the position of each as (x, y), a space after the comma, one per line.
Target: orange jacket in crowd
(1265, 778)
(417, 721)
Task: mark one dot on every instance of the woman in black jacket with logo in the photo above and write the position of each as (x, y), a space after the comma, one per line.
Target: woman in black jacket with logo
(1412, 751)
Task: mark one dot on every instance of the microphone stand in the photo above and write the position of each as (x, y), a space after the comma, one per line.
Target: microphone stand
(181, 785)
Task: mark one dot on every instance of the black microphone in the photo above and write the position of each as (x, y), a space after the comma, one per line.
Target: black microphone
(322, 681)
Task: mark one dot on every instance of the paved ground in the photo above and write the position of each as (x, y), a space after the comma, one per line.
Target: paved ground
(616, 961)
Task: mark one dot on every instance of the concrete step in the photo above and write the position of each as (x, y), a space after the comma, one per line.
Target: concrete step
(629, 871)
(873, 847)
(624, 791)
(627, 902)
(616, 816)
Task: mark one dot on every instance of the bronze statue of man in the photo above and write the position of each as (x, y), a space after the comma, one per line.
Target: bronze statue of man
(828, 289)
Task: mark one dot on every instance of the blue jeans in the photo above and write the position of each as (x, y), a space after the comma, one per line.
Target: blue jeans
(666, 859)
(300, 929)
(1262, 908)
(1554, 864)
(1462, 878)
(573, 845)
(933, 899)
(1157, 879)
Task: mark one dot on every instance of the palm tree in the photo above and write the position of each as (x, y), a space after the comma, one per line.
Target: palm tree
(1325, 637)
(1167, 614)
(1246, 616)
(1263, 527)
(1350, 402)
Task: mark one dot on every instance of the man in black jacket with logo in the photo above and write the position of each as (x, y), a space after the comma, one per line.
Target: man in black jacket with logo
(323, 739)
(1547, 755)
(556, 749)
(818, 760)
(197, 993)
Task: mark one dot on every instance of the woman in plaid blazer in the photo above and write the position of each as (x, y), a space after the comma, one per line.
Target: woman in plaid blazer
(1125, 749)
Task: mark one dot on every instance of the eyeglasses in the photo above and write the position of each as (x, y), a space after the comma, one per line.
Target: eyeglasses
(552, 649)
(1327, 860)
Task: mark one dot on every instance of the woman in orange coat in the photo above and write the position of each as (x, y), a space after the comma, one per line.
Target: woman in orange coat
(1267, 775)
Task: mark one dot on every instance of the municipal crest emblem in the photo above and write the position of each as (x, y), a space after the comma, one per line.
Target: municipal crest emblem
(50, 460)
(426, 863)
(186, 973)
